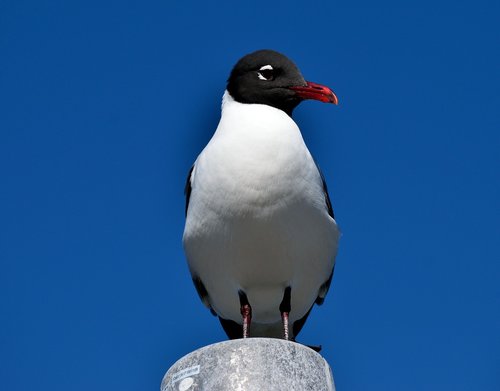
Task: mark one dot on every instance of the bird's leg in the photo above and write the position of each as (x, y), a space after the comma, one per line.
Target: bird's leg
(246, 313)
(285, 308)
(284, 318)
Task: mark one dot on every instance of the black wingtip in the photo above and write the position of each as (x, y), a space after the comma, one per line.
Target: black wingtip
(316, 348)
(325, 287)
(203, 293)
(232, 329)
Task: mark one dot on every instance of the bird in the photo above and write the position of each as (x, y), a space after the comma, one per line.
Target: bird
(260, 235)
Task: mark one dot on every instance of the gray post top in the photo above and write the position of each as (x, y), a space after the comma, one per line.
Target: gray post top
(252, 364)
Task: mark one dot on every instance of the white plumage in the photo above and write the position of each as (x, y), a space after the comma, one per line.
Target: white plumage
(257, 219)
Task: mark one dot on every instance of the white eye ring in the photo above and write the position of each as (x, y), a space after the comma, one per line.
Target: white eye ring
(264, 68)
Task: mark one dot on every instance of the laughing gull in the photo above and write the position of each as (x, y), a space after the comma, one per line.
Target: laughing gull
(260, 235)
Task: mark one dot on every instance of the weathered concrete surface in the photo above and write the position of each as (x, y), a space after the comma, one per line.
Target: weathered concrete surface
(253, 364)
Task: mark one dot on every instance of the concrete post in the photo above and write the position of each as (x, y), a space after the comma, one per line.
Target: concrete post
(252, 364)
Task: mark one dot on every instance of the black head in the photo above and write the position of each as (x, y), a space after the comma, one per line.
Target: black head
(270, 78)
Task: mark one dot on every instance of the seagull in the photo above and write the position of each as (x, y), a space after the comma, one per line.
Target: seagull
(260, 236)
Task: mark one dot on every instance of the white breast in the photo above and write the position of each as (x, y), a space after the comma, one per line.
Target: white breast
(257, 219)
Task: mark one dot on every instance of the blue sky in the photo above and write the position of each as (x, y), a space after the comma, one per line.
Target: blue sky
(105, 105)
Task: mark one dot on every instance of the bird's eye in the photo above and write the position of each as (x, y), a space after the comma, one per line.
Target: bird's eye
(266, 72)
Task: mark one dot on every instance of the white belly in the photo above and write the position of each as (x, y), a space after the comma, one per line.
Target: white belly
(293, 247)
(257, 222)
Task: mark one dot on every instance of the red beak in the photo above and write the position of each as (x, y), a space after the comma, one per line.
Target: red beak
(316, 92)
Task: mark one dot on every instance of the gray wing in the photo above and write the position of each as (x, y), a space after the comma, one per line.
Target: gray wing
(325, 192)
(187, 188)
(198, 284)
(323, 290)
